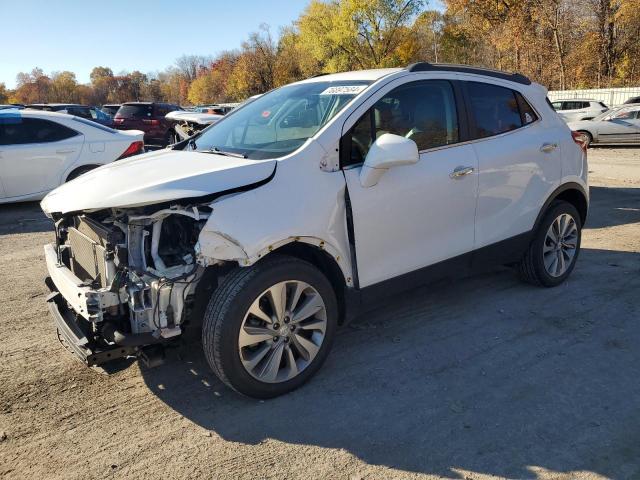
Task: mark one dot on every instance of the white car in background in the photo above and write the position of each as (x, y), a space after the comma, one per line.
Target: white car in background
(40, 150)
(187, 124)
(578, 109)
(621, 125)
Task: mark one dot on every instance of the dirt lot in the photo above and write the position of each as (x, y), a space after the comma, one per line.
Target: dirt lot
(473, 379)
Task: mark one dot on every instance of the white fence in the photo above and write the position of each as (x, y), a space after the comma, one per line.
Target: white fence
(612, 97)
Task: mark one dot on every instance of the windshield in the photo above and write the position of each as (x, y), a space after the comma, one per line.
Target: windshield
(606, 114)
(279, 122)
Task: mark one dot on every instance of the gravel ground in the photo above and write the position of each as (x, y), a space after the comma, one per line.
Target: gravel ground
(483, 377)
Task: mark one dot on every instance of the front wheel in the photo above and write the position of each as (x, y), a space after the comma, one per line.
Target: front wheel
(554, 250)
(268, 328)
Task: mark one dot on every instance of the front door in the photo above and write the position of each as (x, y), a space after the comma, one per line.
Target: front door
(416, 215)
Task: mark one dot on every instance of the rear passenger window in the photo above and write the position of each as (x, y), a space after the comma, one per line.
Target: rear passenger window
(424, 112)
(18, 131)
(495, 109)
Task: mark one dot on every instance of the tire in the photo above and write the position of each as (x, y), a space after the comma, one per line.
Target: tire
(80, 171)
(251, 288)
(532, 267)
(588, 136)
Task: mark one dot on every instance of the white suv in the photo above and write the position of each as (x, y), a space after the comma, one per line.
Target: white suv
(579, 109)
(277, 224)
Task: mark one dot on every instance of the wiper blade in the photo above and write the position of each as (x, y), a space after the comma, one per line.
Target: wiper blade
(225, 153)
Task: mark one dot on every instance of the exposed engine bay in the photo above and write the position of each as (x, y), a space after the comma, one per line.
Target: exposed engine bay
(141, 269)
(187, 124)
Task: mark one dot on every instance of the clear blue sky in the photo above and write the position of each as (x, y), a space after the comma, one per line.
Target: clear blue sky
(144, 35)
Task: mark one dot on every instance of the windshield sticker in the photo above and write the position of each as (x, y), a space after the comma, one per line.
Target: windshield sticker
(266, 114)
(344, 90)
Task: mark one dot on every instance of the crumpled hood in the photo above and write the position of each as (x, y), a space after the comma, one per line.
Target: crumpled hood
(155, 177)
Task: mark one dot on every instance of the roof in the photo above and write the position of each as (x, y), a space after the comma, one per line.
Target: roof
(457, 68)
(56, 105)
(26, 112)
(371, 75)
(147, 103)
(576, 100)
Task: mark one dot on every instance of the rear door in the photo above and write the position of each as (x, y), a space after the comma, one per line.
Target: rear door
(34, 153)
(519, 161)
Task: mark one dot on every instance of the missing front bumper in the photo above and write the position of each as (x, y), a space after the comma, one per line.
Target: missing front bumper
(73, 338)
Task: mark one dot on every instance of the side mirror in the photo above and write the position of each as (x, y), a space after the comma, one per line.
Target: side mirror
(386, 152)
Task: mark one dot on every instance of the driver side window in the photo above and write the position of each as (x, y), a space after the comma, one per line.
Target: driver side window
(424, 112)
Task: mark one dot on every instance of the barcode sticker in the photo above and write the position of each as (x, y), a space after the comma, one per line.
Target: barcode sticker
(344, 90)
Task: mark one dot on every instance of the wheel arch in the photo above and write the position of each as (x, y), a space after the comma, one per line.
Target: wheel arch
(323, 261)
(87, 166)
(570, 192)
(588, 132)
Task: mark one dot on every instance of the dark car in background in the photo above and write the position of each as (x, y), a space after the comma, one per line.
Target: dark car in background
(111, 109)
(82, 111)
(150, 118)
(632, 100)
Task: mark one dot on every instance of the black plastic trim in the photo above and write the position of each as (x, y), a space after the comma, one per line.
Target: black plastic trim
(562, 188)
(351, 236)
(500, 253)
(450, 67)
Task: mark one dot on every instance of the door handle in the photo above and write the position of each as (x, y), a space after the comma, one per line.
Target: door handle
(68, 150)
(548, 147)
(460, 172)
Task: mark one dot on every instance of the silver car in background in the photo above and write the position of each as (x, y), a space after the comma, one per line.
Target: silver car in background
(620, 125)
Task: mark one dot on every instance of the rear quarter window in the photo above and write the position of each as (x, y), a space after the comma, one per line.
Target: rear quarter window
(495, 109)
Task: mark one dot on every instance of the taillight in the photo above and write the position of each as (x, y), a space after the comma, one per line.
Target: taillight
(133, 149)
(581, 139)
(152, 122)
(118, 120)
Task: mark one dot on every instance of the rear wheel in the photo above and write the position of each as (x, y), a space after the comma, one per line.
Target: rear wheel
(554, 250)
(588, 137)
(268, 328)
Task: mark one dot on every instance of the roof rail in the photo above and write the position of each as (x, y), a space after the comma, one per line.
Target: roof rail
(450, 67)
(319, 75)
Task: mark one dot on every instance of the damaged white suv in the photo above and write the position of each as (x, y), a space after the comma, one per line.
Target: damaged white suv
(295, 211)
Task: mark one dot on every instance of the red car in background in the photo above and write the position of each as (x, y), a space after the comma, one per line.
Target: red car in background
(150, 118)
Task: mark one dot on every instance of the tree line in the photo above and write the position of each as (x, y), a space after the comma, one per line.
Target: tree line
(562, 44)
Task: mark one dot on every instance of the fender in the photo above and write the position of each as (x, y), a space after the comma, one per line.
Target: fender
(555, 194)
(218, 246)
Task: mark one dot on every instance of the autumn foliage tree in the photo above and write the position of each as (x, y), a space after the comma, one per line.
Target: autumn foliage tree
(558, 43)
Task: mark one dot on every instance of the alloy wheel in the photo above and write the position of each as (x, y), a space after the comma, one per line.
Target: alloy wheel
(282, 331)
(560, 245)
